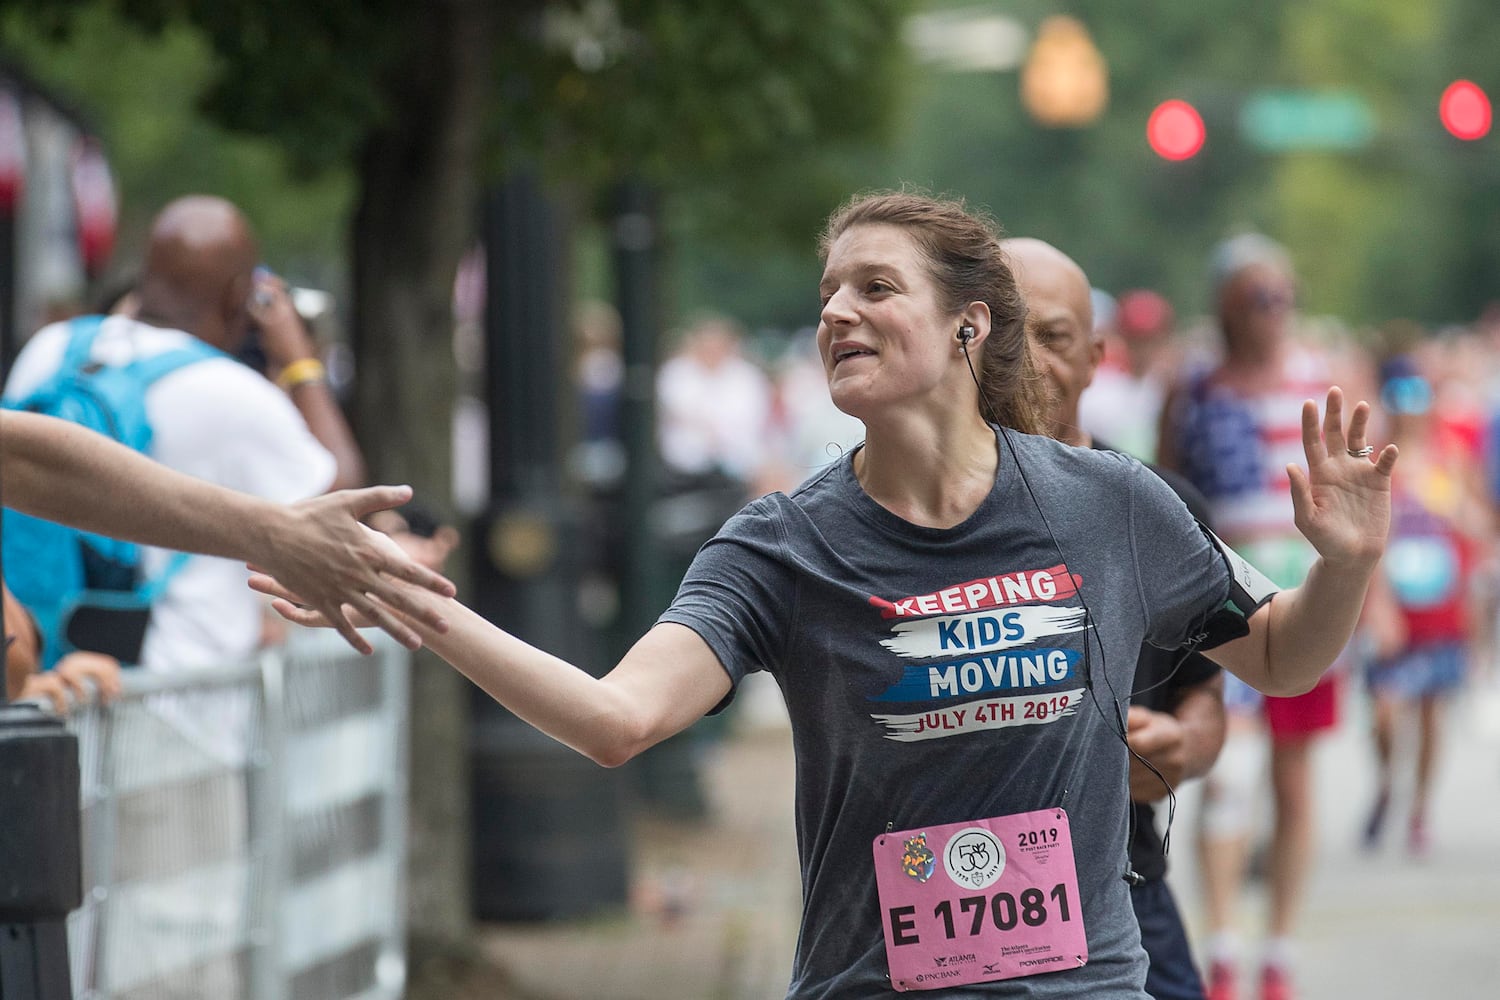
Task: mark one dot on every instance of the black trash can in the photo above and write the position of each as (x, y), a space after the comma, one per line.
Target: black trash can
(550, 841)
(40, 864)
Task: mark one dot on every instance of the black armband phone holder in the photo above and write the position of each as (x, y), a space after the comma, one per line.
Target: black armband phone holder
(1249, 589)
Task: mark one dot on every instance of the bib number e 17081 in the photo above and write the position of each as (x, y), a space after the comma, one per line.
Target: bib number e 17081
(981, 901)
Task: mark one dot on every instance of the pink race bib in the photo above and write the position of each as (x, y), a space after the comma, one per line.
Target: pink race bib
(976, 902)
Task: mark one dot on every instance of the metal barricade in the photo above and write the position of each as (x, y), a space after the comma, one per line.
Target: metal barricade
(244, 830)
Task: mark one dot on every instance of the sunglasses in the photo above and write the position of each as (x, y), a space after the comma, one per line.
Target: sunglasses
(1264, 299)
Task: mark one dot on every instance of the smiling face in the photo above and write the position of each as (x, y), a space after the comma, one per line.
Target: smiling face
(884, 336)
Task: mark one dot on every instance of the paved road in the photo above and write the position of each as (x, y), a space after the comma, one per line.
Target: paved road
(1381, 925)
(715, 908)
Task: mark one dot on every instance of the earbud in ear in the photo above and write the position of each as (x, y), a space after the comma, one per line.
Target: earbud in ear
(965, 334)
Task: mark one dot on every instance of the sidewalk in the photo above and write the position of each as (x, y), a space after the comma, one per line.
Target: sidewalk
(714, 913)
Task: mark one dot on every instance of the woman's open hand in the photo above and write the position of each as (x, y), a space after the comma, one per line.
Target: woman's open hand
(1343, 499)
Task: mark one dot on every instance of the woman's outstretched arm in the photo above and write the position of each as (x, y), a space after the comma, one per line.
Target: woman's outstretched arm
(668, 680)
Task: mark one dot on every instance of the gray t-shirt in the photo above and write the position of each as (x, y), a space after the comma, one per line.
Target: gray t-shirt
(885, 635)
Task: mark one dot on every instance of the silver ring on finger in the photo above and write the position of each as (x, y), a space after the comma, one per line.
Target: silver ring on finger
(1364, 452)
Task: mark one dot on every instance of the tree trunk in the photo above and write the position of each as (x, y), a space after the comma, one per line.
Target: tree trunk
(419, 177)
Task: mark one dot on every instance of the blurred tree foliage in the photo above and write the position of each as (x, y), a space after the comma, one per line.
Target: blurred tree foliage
(141, 88)
(1406, 227)
(758, 118)
(745, 114)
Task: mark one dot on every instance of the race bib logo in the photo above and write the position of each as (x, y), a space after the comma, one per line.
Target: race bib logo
(974, 858)
(917, 860)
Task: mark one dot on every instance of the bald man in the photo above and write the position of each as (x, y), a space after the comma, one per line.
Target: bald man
(213, 418)
(1176, 718)
(1060, 319)
(200, 277)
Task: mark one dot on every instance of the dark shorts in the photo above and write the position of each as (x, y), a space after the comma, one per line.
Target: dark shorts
(1171, 974)
(1419, 673)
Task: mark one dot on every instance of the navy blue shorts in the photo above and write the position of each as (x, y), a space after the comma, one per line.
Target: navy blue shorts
(1172, 974)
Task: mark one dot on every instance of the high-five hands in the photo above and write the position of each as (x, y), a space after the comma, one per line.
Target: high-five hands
(343, 575)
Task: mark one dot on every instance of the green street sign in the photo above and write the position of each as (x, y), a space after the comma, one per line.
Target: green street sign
(1285, 120)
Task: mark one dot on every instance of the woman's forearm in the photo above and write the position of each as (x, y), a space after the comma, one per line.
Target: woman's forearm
(1309, 631)
(1297, 635)
(551, 694)
(666, 682)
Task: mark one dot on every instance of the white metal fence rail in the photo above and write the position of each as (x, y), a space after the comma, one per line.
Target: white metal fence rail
(244, 831)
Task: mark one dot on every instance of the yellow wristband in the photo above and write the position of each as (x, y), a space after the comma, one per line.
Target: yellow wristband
(301, 372)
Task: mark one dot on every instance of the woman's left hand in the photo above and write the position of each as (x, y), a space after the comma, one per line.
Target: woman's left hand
(1343, 499)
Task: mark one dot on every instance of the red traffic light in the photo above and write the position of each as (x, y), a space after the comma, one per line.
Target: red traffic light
(1465, 110)
(1175, 130)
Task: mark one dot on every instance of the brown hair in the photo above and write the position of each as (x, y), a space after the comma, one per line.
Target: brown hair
(966, 263)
